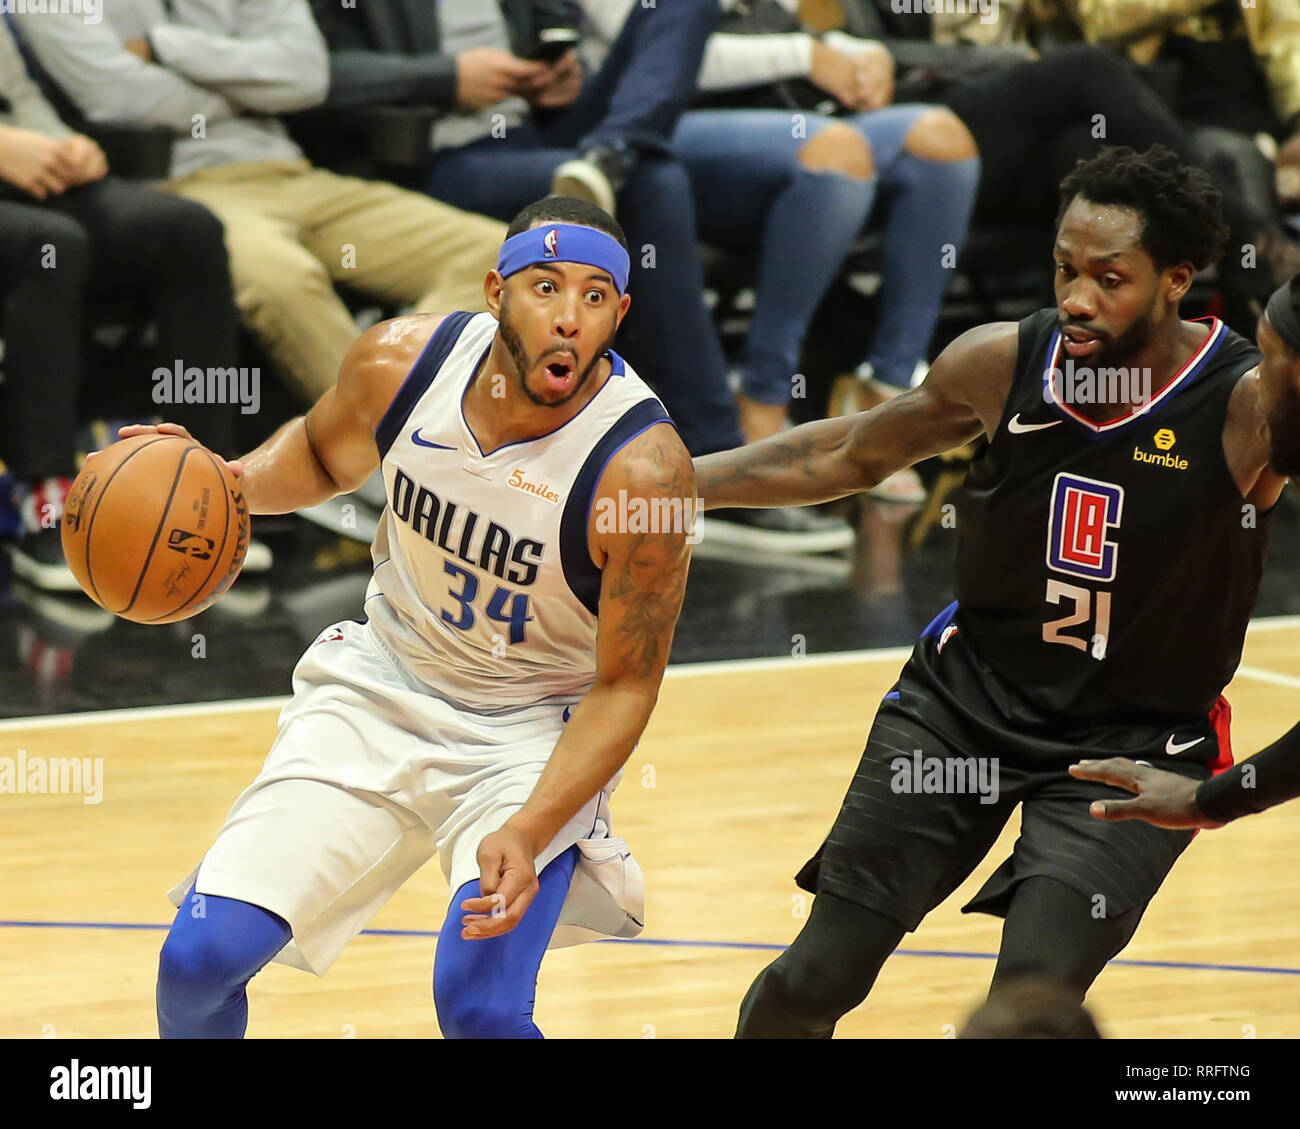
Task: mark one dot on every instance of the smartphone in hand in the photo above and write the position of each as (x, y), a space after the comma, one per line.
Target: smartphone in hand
(553, 43)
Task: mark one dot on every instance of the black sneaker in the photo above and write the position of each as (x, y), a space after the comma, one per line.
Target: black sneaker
(787, 530)
(38, 559)
(596, 176)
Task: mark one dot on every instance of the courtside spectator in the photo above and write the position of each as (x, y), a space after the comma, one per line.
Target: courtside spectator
(71, 233)
(773, 175)
(219, 72)
(1034, 117)
(1233, 76)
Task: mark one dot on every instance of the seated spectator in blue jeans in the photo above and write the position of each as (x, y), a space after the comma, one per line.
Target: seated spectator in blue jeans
(800, 186)
(220, 74)
(515, 129)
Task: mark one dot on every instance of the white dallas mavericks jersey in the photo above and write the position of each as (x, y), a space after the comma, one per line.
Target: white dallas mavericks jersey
(484, 588)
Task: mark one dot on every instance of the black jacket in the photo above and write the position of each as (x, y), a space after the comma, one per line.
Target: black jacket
(924, 69)
(389, 52)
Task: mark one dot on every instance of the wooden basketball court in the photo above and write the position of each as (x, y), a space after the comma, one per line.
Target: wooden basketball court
(739, 776)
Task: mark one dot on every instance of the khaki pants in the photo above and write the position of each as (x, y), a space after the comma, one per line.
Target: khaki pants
(292, 231)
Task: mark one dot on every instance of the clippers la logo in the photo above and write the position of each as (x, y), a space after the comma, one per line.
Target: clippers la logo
(552, 243)
(1083, 511)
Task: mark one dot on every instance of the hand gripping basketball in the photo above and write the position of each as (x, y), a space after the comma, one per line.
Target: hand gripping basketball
(131, 430)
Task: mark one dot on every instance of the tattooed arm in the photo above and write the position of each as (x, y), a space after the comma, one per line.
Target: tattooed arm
(642, 584)
(961, 398)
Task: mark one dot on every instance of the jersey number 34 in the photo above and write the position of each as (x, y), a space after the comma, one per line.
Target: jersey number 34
(504, 606)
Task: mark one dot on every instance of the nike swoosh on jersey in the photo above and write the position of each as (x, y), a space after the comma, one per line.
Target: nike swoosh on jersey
(1017, 428)
(1173, 749)
(415, 438)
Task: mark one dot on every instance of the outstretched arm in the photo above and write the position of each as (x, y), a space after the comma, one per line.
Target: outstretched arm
(643, 582)
(962, 398)
(1166, 799)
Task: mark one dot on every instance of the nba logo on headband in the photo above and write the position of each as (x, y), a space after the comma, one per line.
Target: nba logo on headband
(552, 243)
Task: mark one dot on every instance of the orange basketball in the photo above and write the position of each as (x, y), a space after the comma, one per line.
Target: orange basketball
(155, 528)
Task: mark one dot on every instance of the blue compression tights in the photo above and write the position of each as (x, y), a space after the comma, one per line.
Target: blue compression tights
(482, 989)
(485, 989)
(215, 947)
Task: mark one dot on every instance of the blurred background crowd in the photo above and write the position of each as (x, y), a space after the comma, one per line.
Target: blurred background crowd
(818, 197)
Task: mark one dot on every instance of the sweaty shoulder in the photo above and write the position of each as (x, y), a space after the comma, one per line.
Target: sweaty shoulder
(374, 368)
(977, 369)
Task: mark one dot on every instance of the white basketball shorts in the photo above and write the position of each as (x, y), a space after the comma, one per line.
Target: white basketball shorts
(371, 775)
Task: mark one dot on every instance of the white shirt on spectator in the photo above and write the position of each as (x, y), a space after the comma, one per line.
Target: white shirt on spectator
(28, 108)
(225, 68)
(730, 61)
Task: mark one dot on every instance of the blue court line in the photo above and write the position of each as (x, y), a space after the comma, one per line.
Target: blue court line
(761, 946)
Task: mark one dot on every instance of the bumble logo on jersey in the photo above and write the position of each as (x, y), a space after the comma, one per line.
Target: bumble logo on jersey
(1164, 439)
(463, 533)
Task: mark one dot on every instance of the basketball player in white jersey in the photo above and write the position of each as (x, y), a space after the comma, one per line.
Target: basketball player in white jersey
(515, 641)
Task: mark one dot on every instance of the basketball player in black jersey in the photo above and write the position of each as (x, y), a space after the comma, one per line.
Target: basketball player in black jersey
(1110, 543)
(1271, 776)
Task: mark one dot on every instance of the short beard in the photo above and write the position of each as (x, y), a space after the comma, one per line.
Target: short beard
(1114, 352)
(524, 365)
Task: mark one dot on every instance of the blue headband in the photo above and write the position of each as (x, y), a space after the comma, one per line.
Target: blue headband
(565, 243)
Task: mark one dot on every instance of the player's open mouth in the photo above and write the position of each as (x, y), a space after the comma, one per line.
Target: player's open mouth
(559, 376)
(1080, 343)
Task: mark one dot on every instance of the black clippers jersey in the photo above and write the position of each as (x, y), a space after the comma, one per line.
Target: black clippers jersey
(1109, 570)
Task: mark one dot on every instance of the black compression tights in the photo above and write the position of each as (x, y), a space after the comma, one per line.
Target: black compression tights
(829, 969)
